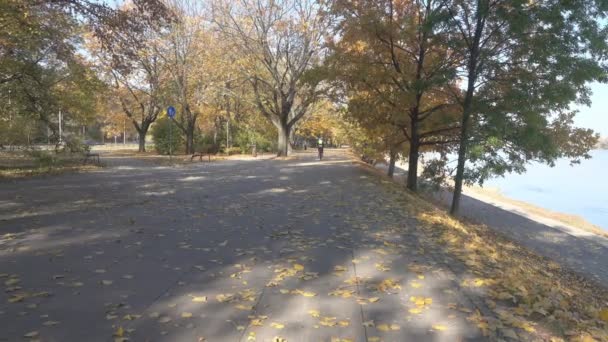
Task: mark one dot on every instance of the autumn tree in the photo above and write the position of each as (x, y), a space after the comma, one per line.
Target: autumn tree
(523, 64)
(42, 68)
(194, 62)
(41, 71)
(394, 53)
(129, 60)
(323, 121)
(280, 42)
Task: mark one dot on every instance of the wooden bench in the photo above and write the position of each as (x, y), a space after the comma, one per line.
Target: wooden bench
(206, 151)
(90, 155)
(200, 156)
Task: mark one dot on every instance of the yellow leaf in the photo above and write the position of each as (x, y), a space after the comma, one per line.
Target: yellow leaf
(277, 325)
(604, 315)
(374, 299)
(479, 282)
(439, 327)
(12, 281)
(328, 321)
(31, 334)
(119, 332)
(368, 324)
(415, 284)
(164, 319)
(314, 313)
(201, 299)
(383, 327)
(298, 267)
(395, 327)
(186, 314)
(17, 298)
(415, 311)
(382, 267)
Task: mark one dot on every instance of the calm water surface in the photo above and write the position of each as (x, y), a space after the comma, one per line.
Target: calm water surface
(580, 189)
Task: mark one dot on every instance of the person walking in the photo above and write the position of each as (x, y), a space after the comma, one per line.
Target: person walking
(320, 148)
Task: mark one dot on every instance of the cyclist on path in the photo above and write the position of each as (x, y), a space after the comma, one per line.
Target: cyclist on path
(320, 147)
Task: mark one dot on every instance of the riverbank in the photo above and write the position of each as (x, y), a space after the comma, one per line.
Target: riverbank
(569, 241)
(570, 223)
(575, 224)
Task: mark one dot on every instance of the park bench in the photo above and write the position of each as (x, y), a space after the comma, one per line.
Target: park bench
(207, 151)
(90, 155)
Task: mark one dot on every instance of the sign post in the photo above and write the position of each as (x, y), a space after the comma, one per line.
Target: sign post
(171, 115)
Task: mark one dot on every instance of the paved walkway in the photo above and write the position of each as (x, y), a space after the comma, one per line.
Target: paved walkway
(228, 251)
(577, 249)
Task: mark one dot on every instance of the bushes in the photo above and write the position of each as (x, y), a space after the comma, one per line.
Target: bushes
(232, 150)
(74, 144)
(264, 143)
(162, 143)
(44, 159)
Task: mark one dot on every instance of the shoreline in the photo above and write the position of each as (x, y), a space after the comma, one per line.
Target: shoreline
(571, 224)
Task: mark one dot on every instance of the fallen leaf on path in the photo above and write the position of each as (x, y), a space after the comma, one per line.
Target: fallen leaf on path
(120, 332)
(164, 319)
(277, 325)
(382, 267)
(32, 334)
(344, 293)
(257, 320)
(604, 315)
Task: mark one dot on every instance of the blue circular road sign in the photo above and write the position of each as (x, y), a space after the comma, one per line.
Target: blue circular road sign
(171, 112)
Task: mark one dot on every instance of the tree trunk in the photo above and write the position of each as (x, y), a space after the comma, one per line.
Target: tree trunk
(412, 168)
(283, 141)
(142, 141)
(391, 163)
(190, 141)
(462, 152)
(464, 137)
(472, 73)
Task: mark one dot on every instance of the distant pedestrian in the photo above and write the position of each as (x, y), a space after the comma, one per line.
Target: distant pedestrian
(320, 148)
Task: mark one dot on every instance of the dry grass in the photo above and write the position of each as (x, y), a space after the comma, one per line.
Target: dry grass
(18, 164)
(25, 172)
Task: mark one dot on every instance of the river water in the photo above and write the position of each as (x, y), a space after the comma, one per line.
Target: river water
(581, 189)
